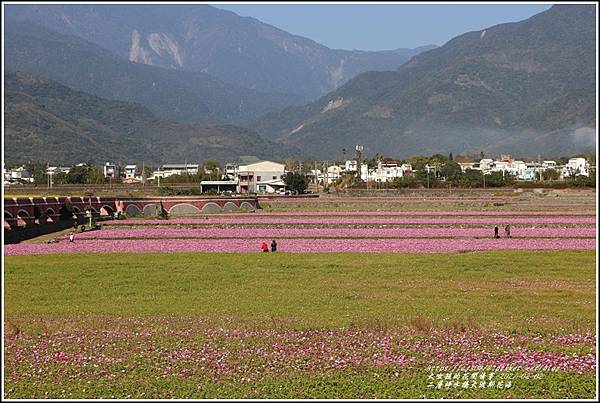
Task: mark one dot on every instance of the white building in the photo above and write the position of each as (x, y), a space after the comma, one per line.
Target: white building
(57, 170)
(501, 166)
(576, 167)
(111, 170)
(231, 171)
(175, 169)
(486, 164)
(132, 173)
(5, 173)
(219, 186)
(180, 169)
(386, 171)
(331, 174)
(351, 166)
(261, 176)
(464, 166)
(20, 174)
(314, 175)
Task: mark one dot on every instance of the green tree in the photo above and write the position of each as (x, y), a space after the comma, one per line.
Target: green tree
(147, 171)
(550, 174)
(438, 159)
(426, 179)
(77, 175)
(309, 164)
(60, 178)
(418, 162)
(471, 179)
(211, 166)
(373, 162)
(37, 171)
(494, 179)
(183, 178)
(451, 171)
(296, 182)
(95, 176)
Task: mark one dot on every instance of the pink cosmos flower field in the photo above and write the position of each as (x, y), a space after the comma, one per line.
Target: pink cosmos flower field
(272, 220)
(299, 245)
(535, 230)
(168, 232)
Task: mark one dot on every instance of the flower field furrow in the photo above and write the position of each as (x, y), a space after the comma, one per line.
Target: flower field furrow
(209, 220)
(299, 245)
(166, 232)
(377, 213)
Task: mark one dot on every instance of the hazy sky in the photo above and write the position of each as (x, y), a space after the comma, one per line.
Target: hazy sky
(383, 26)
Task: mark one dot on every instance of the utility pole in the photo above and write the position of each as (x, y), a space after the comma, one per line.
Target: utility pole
(49, 175)
(359, 149)
(483, 175)
(316, 176)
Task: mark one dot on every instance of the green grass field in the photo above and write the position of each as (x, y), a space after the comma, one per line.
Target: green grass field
(85, 326)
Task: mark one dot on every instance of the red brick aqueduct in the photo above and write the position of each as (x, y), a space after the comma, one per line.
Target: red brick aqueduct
(30, 210)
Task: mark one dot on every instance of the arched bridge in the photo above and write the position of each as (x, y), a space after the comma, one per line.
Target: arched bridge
(37, 210)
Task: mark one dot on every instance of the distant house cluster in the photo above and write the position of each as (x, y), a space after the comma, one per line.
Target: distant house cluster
(528, 171)
(256, 177)
(261, 176)
(22, 174)
(387, 170)
(17, 175)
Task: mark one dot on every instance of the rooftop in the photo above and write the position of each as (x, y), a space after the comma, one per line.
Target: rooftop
(219, 182)
(180, 166)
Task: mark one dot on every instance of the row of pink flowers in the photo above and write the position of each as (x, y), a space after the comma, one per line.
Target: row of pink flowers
(569, 204)
(258, 219)
(212, 232)
(479, 213)
(299, 245)
(398, 199)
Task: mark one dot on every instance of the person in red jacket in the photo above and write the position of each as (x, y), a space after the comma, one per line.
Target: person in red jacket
(264, 247)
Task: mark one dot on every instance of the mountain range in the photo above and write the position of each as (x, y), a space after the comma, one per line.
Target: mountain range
(525, 87)
(148, 84)
(182, 96)
(47, 121)
(201, 38)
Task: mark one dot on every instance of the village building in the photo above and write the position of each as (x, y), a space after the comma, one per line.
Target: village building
(576, 167)
(111, 170)
(261, 177)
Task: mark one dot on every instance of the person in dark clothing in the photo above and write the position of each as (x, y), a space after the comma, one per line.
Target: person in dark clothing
(273, 246)
(496, 235)
(264, 247)
(507, 231)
